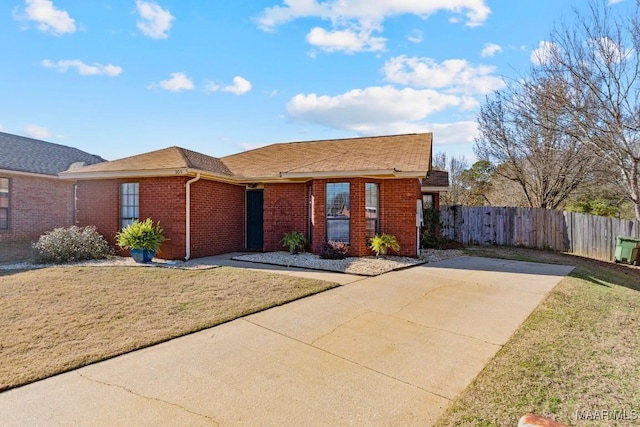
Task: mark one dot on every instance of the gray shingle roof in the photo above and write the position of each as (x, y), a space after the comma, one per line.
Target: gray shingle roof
(19, 153)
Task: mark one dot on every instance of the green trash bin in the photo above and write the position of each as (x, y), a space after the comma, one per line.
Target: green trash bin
(627, 250)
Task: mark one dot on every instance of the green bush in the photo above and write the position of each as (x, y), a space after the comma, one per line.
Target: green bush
(141, 235)
(294, 241)
(381, 243)
(71, 244)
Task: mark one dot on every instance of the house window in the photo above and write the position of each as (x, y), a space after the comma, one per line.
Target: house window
(371, 209)
(427, 201)
(338, 208)
(129, 203)
(4, 203)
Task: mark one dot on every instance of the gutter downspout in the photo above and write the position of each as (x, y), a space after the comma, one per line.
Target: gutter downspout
(188, 217)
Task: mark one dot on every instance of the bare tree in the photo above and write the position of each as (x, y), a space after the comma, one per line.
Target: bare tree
(455, 166)
(598, 60)
(522, 130)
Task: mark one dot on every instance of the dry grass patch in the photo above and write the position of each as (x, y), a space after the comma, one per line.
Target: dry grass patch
(61, 318)
(579, 352)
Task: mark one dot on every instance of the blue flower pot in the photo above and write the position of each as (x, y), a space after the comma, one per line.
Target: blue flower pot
(142, 255)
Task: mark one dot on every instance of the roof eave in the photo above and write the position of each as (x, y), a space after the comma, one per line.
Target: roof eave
(175, 172)
(31, 174)
(372, 173)
(434, 189)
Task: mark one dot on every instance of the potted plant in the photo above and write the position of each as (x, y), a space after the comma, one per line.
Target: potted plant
(142, 238)
(294, 241)
(381, 243)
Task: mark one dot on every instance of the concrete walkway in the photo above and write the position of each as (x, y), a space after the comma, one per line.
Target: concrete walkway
(388, 350)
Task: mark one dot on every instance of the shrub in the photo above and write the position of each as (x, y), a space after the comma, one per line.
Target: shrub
(294, 241)
(334, 250)
(71, 244)
(141, 235)
(381, 243)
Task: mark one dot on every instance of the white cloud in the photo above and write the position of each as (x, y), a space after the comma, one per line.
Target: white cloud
(475, 11)
(416, 36)
(240, 86)
(354, 22)
(1, 127)
(608, 50)
(94, 69)
(211, 87)
(614, 2)
(47, 17)
(178, 82)
(543, 53)
(454, 133)
(39, 132)
(490, 49)
(452, 75)
(372, 109)
(349, 40)
(154, 21)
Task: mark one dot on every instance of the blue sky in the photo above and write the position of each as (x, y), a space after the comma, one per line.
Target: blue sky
(122, 77)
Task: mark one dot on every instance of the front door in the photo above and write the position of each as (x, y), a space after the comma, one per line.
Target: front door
(254, 220)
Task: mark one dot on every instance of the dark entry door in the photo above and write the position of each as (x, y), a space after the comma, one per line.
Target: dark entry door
(254, 220)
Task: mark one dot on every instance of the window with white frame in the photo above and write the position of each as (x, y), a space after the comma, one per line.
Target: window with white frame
(129, 203)
(338, 211)
(4, 203)
(371, 208)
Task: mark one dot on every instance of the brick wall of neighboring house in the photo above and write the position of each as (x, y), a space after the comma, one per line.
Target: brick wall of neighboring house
(217, 218)
(37, 205)
(285, 210)
(397, 213)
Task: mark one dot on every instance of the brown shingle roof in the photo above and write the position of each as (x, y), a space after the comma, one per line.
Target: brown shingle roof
(436, 179)
(398, 153)
(167, 158)
(407, 153)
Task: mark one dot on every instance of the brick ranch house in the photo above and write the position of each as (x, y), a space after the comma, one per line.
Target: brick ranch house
(33, 199)
(346, 189)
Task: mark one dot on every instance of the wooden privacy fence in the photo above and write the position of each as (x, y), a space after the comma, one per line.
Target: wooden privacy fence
(586, 235)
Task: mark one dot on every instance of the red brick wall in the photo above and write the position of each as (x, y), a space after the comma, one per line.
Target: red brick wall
(37, 205)
(98, 204)
(217, 213)
(397, 213)
(161, 199)
(285, 210)
(217, 218)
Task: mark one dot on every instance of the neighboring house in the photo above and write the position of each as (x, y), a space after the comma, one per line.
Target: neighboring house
(33, 199)
(436, 183)
(347, 189)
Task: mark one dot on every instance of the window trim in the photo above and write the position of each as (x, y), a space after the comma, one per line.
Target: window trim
(135, 206)
(329, 219)
(8, 197)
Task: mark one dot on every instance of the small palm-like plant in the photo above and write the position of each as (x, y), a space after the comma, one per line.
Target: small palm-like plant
(381, 243)
(294, 241)
(141, 235)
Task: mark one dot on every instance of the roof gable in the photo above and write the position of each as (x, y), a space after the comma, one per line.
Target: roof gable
(172, 158)
(22, 154)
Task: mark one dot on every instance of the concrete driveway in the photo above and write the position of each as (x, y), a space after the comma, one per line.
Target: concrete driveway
(389, 350)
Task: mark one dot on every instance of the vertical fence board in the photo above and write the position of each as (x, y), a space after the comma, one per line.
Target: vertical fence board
(581, 234)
